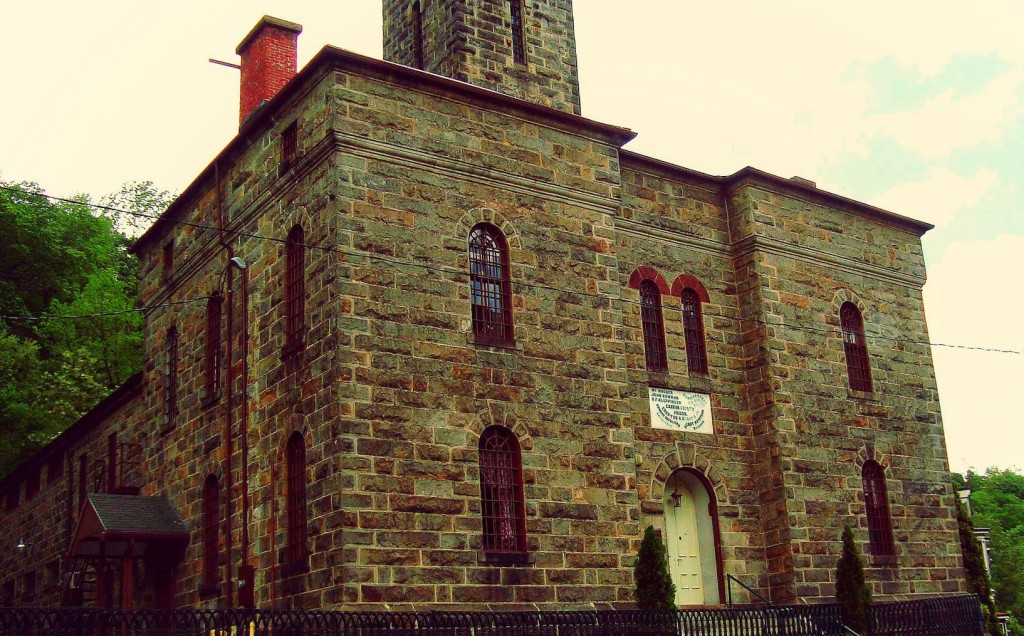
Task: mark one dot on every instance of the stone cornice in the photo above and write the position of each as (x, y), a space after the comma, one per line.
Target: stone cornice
(754, 243)
(453, 168)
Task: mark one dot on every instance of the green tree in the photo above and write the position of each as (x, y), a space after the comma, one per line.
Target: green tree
(997, 503)
(63, 260)
(974, 567)
(654, 587)
(851, 590)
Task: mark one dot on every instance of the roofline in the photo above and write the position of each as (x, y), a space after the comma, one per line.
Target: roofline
(892, 218)
(757, 175)
(330, 58)
(81, 426)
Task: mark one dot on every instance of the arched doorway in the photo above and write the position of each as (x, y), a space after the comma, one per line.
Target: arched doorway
(691, 532)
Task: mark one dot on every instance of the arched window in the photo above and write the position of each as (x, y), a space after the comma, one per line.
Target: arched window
(171, 378)
(296, 466)
(693, 329)
(653, 326)
(501, 491)
(876, 503)
(212, 351)
(211, 535)
(295, 290)
(857, 365)
(490, 285)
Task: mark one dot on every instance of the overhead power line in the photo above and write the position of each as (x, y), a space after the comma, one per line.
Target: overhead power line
(435, 268)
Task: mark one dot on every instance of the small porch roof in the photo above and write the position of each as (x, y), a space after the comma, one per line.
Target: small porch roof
(118, 526)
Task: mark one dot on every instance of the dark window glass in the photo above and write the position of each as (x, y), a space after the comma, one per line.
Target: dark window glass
(55, 470)
(876, 503)
(13, 495)
(518, 33)
(168, 258)
(501, 491)
(693, 329)
(855, 346)
(83, 479)
(171, 379)
(297, 537)
(295, 290)
(32, 484)
(417, 35)
(289, 147)
(490, 285)
(28, 594)
(653, 326)
(211, 525)
(213, 355)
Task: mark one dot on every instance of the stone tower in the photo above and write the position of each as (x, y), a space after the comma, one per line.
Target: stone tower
(522, 48)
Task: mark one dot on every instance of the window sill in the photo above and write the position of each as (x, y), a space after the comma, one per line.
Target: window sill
(866, 396)
(495, 343)
(505, 558)
(209, 591)
(299, 566)
(211, 400)
(883, 561)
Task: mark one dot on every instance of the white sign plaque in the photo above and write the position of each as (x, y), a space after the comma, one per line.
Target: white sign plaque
(681, 411)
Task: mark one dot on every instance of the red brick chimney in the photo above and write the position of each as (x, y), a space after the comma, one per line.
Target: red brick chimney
(269, 59)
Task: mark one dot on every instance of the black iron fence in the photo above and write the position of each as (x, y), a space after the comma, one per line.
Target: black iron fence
(947, 616)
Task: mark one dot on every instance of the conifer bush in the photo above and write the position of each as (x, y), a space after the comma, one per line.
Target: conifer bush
(851, 590)
(654, 587)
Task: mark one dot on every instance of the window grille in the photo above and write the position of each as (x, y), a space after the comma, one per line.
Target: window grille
(693, 330)
(876, 503)
(490, 285)
(501, 491)
(295, 290)
(518, 33)
(297, 531)
(854, 344)
(171, 379)
(55, 470)
(213, 355)
(211, 525)
(653, 326)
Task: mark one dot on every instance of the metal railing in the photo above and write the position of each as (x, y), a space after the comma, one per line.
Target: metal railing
(946, 616)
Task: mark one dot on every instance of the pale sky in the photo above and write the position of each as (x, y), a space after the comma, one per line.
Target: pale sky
(912, 106)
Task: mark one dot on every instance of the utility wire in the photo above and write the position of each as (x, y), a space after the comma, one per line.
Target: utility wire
(434, 268)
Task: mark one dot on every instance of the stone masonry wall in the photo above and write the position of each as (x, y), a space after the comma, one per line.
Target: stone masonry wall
(810, 258)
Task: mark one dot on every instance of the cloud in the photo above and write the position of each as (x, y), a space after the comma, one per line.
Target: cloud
(939, 196)
(952, 121)
(971, 300)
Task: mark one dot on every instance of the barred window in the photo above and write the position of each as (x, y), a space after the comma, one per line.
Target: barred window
(693, 330)
(417, 35)
(296, 498)
(211, 534)
(490, 285)
(501, 491)
(295, 290)
(171, 378)
(212, 353)
(289, 147)
(653, 326)
(854, 344)
(876, 503)
(518, 33)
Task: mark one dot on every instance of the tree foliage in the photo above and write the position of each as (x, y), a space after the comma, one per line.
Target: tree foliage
(851, 590)
(62, 260)
(974, 567)
(654, 587)
(997, 503)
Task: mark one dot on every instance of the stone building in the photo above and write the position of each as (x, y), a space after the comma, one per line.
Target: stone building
(422, 335)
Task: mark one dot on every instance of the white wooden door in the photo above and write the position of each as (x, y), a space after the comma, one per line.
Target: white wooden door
(684, 550)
